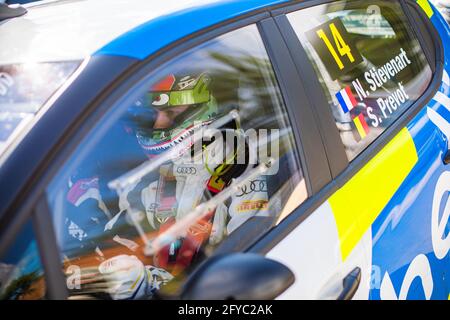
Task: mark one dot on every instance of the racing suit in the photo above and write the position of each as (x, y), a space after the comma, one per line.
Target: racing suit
(165, 197)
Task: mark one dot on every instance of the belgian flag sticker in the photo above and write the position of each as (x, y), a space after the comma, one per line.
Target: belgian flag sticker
(362, 127)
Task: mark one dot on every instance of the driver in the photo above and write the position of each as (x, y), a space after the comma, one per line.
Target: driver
(167, 117)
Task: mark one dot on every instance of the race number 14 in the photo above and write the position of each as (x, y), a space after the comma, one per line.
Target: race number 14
(332, 43)
(341, 45)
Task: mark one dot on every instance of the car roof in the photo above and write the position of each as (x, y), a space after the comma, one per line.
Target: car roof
(74, 29)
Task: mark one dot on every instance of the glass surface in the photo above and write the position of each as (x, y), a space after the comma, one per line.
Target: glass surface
(368, 61)
(199, 157)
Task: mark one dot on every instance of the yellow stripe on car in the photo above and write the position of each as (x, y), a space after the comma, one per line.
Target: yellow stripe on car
(359, 202)
(425, 5)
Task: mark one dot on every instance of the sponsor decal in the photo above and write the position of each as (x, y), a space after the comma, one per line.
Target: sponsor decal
(215, 184)
(252, 186)
(334, 47)
(421, 267)
(187, 170)
(250, 205)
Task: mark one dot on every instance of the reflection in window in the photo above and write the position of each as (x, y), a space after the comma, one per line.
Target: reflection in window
(21, 273)
(182, 163)
(366, 95)
(24, 88)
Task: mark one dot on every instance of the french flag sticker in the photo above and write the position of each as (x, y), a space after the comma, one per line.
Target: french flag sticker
(346, 99)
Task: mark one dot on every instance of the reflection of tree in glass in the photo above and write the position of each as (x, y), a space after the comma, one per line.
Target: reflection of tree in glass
(21, 286)
(246, 81)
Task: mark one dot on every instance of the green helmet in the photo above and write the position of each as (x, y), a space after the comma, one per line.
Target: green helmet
(173, 92)
(190, 99)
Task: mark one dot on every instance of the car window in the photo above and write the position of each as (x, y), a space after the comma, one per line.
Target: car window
(24, 88)
(199, 149)
(21, 272)
(368, 61)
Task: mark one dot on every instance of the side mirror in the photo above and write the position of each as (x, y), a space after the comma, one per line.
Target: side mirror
(240, 276)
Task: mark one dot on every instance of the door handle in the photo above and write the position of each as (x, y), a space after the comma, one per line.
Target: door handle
(351, 283)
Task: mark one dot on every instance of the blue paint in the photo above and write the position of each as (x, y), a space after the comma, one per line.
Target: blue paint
(150, 37)
(403, 229)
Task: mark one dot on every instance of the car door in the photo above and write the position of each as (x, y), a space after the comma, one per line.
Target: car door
(390, 201)
(131, 216)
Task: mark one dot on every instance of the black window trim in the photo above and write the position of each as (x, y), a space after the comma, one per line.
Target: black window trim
(49, 252)
(421, 30)
(313, 159)
(334, 147)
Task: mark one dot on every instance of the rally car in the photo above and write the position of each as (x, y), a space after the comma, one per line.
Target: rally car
(224, 149)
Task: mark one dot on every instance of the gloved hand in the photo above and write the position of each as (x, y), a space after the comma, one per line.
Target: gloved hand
(128, 278)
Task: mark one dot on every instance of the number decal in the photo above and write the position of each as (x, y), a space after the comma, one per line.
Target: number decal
(343, 47)
(332, 43)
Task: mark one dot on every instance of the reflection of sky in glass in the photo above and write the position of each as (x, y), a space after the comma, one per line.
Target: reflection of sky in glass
(24, 88)
(358, 22)
(22, 257)
(30, 261)
(235, 44)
